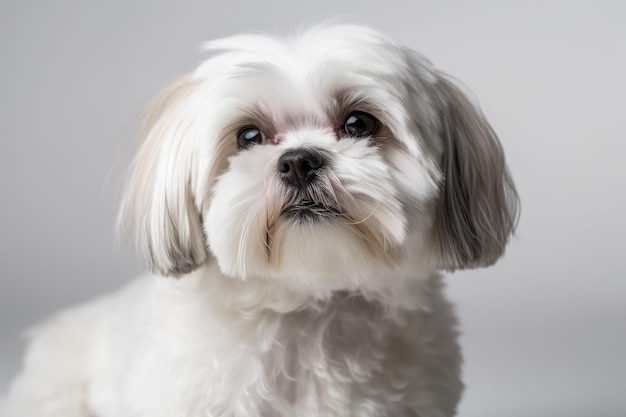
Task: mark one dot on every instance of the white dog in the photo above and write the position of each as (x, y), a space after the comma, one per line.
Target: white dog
(295, 199)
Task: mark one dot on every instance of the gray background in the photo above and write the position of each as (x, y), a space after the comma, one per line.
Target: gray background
(544, 331)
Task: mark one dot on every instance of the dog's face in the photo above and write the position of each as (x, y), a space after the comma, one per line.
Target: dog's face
(318, 160)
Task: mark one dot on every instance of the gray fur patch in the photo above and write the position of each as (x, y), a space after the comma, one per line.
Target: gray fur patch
(478, 207)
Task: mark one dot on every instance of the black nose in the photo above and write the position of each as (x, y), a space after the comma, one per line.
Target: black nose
(297, 167)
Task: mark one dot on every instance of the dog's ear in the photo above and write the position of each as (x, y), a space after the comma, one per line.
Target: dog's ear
(159, 199)
(478, 205)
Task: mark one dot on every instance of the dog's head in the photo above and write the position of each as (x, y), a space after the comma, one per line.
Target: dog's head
(320, 157)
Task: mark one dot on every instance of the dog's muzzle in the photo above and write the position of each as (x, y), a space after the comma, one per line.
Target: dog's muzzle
(300, 169)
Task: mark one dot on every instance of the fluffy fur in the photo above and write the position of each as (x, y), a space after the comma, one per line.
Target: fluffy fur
(253, 311)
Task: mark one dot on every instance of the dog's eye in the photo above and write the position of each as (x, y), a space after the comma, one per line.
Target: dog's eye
(360, 124)
(248, 136)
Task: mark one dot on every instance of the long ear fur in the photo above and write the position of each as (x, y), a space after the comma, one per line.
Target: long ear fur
(478, 206)
(159, 200)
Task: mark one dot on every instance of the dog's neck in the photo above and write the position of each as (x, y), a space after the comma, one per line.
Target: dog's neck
(400, 291)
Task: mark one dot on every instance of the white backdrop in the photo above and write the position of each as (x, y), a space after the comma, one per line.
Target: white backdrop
(544, 331)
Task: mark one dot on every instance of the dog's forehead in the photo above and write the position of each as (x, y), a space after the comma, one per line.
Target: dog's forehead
(309, 68)
(346, 44)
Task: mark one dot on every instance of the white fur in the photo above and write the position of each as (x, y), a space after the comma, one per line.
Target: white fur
(256, 314)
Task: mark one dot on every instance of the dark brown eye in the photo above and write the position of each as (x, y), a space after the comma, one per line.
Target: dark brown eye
(249, 136)
(360, 125)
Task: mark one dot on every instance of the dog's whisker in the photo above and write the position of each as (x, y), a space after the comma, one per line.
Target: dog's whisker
(355, 222)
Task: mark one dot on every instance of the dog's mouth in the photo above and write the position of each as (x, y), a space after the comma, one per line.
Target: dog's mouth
(308, 210)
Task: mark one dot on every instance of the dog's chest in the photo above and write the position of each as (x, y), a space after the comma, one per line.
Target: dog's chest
(348, 357)
(344, 358)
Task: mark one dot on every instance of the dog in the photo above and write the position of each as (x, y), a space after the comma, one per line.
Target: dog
(296, 199)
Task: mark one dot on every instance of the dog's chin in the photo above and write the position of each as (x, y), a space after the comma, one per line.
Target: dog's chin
(309, 245)
(307, 211)
(315, 246)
